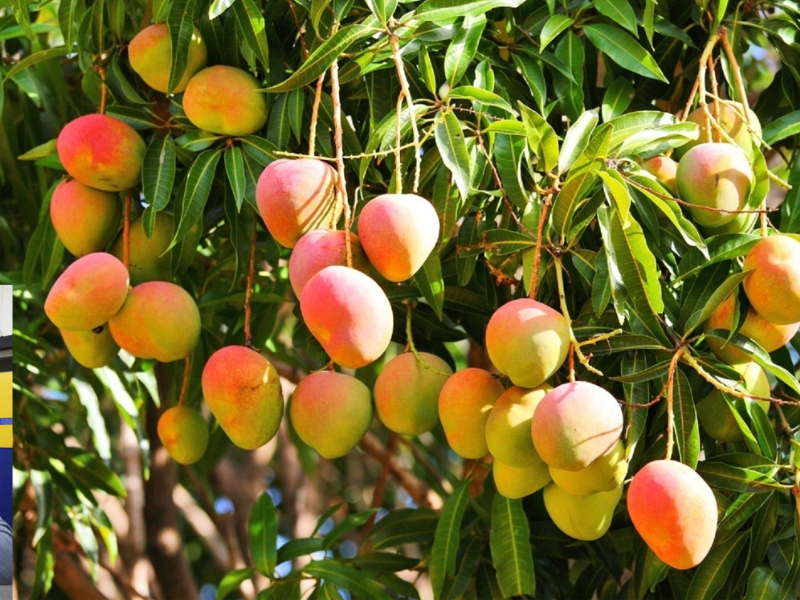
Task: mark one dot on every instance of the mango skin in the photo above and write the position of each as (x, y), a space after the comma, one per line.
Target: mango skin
(464, 406)
(584, 518)
(742, 223)
(528, 341)
(150, 53)
(516, 482)
(731, 123)
(714, 414)
(664, 169)
(243, 391)
(297, 196)
(159, 320)
(84, 218)
(716, 176)
(674, 511)
(101, 152)
(407, 392)
(604, 474)
(398, 233)
(184, 433)
(773, 287)
(508, 428)
(575, 424)
(225, 100)
(322, 248)
(349, 314)
(767, 335)
(91, 349)
(331, 412)
(88, 293)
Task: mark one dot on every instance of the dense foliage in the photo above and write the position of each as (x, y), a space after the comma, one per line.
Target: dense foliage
(525, 124)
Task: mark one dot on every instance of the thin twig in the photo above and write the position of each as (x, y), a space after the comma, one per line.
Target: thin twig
(380, 485)
(340, 180)
(299, 28)
(538, 251)
(251, 271)
(406, 92)
(575, 345)
(187, 371)
(312, 133)
(101, 71)
(673, 365)
(715, 88)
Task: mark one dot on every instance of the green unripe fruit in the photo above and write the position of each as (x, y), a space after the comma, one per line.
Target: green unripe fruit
(603, 475)
(508, 429)
(516, 482)
(331, 412)
(581, 517)
(225, 100)
(407, 392)
(84, 218)
(92, 349)
(184, 433)
(730, 120)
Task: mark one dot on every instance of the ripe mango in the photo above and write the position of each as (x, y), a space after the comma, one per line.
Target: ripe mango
(664, 169)
(575, 424)
(88, 293)
(159, 320)
(297, 196)
(243, 391)
(773, 287)
(84, 218)
(465, 402)
(150, 53)
(508, 428)
(331, 412)
(604, 474)
(319, 249)
(349, 314)
(398, 233)
(101, 152)
(92, 349)
(674, 511)
(528, 341)
(184, 433)
(225, 100)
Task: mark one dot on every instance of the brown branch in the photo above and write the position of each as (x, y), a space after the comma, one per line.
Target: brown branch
(337, 140)
(187, 370)
(538, 256)
(380, 486)
(673, 365)
(406, 92)
(70, 576)
(312, 133)
(251, 271)
(299, 28)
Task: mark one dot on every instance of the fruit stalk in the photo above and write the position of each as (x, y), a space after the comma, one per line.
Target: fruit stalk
(187, 371)
(673, 366)
(405, 92)
(574, 343)
(126, 230)
(340, 180)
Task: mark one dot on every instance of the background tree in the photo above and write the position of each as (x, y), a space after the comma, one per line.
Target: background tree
(525, 124)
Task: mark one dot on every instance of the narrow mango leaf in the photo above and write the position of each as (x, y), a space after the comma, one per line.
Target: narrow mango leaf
(713, 302)
(43, 488)
(576, 139)
(404, 526)
(504, 241)
(35, 59)
(234, 168)
(737, 479)
(541, 138)
(447, 537)
(655, 141)
(629, 123)
(447, 10)
(217, 8)
(462, 49)
(687, 431)
(46, 149)
(195, 192)
(232, 581)
(453, 149)
(617, 191)
(347, 578)
(476, 94)
(508, 153)
(158, 177)
(715, 569)
(430, 283)
(454, 588)
(619, 11)
(782, 127)
(251, 24)
(323, 57)
(617, 98)
(532, 72)
(624, 50)
(554, 25)
(762, 585)
(570, 51)
(383, 9)
(511, 548)
(181, 29)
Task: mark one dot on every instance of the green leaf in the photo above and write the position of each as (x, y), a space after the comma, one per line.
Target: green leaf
(383, 9)
(469, 92)
(581, 177)
(533, 74)
(617, 191)
(447, 10)
(260, 149)
(158, 178)
(453, 148)
(23, 17)
(296, 104)
(454, 588)
(347, 578)
(98, 16)
(687, 432)
(782, 127)
(46, 149)
(504, 241)
(617, 98)
(67, 18)
(447, 538)
(404, 526)
(737, 479)
(649, 19)
(195, 192)
(234, 168)
(299, 547)
(571, 52)
(462, 49)
(251, 24)
(576, 140)
(554, 26)
(429, 281)
(541, 138)
(384, 561)
(655, 141)
(263, 524)
(762, 585)
(90, 470)
(279, 128)
(716, 298)
(618, 11)
(316, 11)
(349, 523)
(35, 59)
(715, 569)
(232, 581)
(508, 154)
(323, 57)
(630, 123)
(181, 29)
(511, 548)
(624, 50)
(43, 488)
(218, 7)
